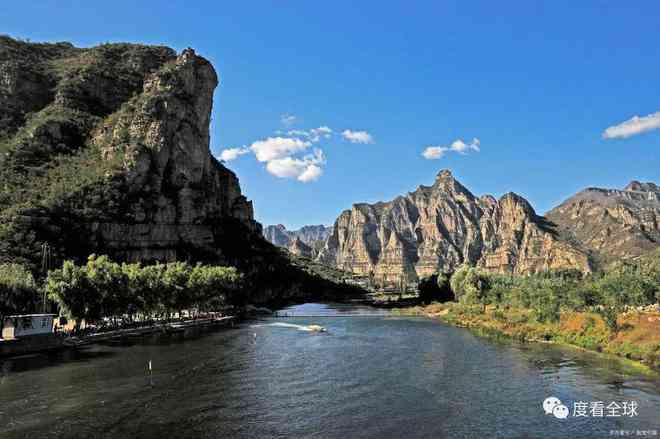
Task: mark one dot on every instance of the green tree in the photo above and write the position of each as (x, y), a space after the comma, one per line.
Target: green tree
(109, 283)
(18, 291)
(177, 296)
(546, 302)
(469, 285)
(70, 289)
(435, 288)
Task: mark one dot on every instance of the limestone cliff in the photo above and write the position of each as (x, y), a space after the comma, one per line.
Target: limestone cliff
(306, 241)
(612, 224)
(107, 150)
(437, 228)
(299, 248)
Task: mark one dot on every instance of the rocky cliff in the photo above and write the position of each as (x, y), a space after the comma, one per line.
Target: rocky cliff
(106, 150)
(612, 224)
(306, 241)
(439, 227)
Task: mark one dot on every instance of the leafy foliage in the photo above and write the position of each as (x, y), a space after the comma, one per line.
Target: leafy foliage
(435, 288)
(52, 171)
(18, 290)
(469, 285)
(103, 288)
(546, 294)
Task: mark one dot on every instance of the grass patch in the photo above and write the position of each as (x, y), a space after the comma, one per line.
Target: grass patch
(639, 340)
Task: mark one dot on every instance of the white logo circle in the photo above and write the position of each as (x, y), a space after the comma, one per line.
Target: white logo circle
(550, 403)
(560, 411)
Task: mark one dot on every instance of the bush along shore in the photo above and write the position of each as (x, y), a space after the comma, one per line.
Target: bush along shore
(614, 312)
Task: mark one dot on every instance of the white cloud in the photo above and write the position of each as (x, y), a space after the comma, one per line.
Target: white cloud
(461, 147)
(458, 145)
(283, 153)
(286, 167)
(312, 173)
(299, 133)
(357, 136)
(314, 135)
(274, 148)
(633, 126)
(305, 170)
(323, 130)
(434, 152)
(288, 119)
(230, 154)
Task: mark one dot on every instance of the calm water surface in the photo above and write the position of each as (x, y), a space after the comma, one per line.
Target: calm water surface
(375, 376)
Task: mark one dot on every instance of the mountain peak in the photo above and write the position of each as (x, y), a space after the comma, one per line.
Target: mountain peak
(444, 174)
(637, 186)
(446, 182)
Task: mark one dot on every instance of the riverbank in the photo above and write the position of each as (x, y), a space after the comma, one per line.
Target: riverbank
(56, 341)
(638, 339)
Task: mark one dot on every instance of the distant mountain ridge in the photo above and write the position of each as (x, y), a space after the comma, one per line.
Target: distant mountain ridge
(439, 227)
(305, 241)
(612, 224)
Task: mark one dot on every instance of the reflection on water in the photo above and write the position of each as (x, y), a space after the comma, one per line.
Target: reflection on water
(369, 376)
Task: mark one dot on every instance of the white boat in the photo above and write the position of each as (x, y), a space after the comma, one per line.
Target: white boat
(316, 328)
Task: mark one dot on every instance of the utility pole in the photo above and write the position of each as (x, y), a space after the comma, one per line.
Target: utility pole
(46, 256)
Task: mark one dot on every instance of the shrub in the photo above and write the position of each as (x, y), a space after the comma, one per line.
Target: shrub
(469, 285)
(435, 288)
(546, 306)
(18, 290)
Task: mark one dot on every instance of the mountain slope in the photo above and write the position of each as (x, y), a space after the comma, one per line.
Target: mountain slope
(612, 224)
(439, 227)
(106, 150)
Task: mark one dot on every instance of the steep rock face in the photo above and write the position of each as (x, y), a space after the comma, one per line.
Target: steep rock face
(179, 188)
(437, 228)
(610, 223)
(106, 150)
(299, 248)
(312, 237)
(277, 235)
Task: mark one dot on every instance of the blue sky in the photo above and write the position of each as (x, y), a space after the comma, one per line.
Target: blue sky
(537, 83)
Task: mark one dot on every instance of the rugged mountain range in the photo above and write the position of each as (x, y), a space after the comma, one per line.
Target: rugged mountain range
(439, 227)
(306, 241)
(612, 224)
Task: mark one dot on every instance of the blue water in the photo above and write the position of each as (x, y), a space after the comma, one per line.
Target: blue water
(373, 376)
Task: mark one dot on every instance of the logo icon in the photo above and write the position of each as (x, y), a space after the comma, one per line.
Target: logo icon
(553, 406)
(560, 411)
(550, 404)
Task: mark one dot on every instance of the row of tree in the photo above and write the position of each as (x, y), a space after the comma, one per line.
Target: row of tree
(609, 292)
(103, 288)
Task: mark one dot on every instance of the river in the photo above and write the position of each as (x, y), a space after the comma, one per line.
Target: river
(370, 375)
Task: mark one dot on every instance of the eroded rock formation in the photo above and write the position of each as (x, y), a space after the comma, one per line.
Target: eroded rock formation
(439, 227)
(612, 224)
(179, 188)
(110, 148)
(306, 241)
